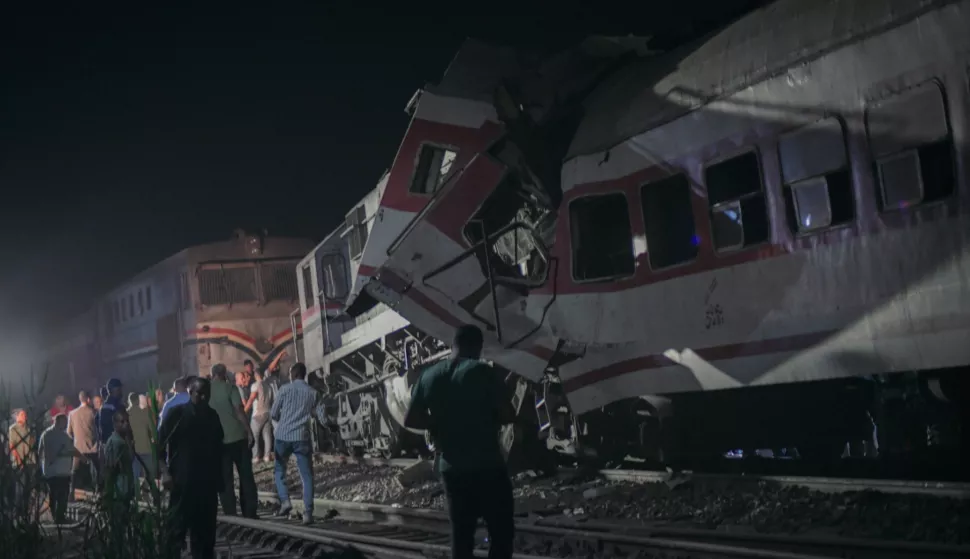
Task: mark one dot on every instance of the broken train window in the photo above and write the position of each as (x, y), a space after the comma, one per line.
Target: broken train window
(739, 213)
(911, 147)
(817, 177)
(602, 239)
(432, 166)
(669, 220)
(513, 219)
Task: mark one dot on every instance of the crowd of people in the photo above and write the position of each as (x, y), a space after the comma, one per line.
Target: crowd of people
(115, 447)
(210, 427)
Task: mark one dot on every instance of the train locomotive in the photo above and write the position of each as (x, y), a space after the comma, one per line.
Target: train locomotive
(222, 302)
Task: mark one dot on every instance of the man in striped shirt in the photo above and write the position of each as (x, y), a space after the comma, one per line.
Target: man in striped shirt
(292, 409)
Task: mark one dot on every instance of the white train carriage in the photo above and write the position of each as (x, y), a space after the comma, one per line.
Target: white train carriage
(784, 201)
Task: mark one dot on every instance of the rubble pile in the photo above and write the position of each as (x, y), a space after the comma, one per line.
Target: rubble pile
(733, 506)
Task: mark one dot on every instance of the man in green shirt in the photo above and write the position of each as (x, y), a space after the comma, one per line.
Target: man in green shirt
(236, 443)
(118, 457)
(463, 402)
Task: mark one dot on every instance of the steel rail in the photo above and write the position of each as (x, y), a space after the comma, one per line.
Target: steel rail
(649, 536)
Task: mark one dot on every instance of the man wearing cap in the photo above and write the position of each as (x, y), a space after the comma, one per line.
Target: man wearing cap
(112, 402)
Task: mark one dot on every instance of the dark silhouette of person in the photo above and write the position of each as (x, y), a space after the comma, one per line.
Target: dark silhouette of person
(190, 457)
(463, 402)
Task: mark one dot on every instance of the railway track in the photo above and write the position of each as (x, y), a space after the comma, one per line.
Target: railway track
(568, 538)
(350, 529)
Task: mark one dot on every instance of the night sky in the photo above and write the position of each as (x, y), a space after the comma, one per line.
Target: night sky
(127, 135)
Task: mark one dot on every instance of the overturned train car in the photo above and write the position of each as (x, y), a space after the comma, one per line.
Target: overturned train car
(758, 240)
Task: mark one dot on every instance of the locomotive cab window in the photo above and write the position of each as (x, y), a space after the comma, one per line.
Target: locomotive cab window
(432, 166)
(307, 276)
(669, 220)
(334, 268)
(912, 148)
(739, 213)
(816, 176)
(602, 240)
(357, 221)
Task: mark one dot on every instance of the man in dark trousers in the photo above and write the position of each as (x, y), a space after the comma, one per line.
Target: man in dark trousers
(463, 402)
(190, 457)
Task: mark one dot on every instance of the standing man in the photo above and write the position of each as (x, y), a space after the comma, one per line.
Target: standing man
(236, 442)
(294, 406)
(57, 454)
(190, 438)
(112, 403)
(81, 427)
(21, 441)
(262, 402)
(463, 402)
(142, 430)
(180, 396)
(118, 458)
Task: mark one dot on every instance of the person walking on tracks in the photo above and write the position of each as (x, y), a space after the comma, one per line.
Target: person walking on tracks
(292, 409)
(237, 442)
(190, 459)
(463, 402)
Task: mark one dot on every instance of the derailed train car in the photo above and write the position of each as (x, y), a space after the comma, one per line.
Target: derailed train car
(359, 352)
(222, 302)
(751, 241)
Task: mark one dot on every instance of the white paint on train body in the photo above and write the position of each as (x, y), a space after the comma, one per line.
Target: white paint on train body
(885, 291)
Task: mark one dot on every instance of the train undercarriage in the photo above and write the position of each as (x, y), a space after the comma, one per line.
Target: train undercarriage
(912, 423)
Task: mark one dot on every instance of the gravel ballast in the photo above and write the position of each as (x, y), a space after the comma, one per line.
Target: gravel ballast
(731, 506)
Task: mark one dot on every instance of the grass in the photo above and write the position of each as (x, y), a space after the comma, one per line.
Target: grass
(112, 528)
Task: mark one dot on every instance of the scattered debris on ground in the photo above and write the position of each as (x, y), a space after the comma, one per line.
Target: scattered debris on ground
(731, 506)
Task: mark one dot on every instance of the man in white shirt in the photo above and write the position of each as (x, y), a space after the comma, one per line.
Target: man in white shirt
(57, 454)
(262, 402)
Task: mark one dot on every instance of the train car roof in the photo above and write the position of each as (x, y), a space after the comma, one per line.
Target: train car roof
(651, 91)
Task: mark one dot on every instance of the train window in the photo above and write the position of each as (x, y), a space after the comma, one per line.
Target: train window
(148, 298)
(184, 290)
(141, 303)
(124, 309)
(334, 268)
(432, 166)
(131, 305)
(816, 176)
(308, 300)
(357, 220)
(279, 282)
(669, 219)
(602, 240)
(912, 147)
(739, 215)
(108, 317)
(116, 311)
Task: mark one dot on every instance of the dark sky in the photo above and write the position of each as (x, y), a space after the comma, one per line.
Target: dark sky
(127, 135)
